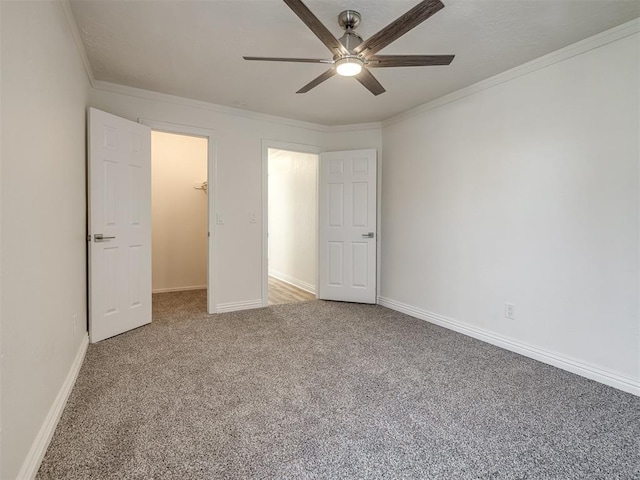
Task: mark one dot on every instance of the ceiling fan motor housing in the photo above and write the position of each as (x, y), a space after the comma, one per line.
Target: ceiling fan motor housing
(350, 40)
(349, 20)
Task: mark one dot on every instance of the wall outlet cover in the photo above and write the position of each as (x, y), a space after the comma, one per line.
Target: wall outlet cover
(509, 311)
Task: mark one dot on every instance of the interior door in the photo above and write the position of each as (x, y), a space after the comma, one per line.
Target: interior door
(347, 226)
(119, 183)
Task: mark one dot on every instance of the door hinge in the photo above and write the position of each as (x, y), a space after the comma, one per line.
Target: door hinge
(88, 237)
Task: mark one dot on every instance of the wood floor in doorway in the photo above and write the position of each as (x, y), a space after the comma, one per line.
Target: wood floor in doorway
(282, 292)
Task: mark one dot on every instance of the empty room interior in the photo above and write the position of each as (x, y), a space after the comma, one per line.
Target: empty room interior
(222, 257)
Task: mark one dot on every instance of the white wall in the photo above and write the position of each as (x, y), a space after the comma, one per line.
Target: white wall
(179, 212)
(526, 193)
(238, 188)
(293, 219)
(44, 93)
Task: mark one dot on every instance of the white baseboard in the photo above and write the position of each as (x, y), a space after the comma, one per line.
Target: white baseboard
(593, 372)
(307, 287)
(179, 289)
(41, 443)
(235, 306)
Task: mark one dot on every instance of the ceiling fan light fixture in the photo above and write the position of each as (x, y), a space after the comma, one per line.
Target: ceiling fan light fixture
(349, 66)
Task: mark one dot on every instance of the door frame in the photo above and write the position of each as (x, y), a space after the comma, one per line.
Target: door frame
(291, 147)
(212, 176)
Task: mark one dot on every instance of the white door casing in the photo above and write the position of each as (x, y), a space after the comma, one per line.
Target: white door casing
(212, 168)
(292, 147)
(347, 226)
(119, 188)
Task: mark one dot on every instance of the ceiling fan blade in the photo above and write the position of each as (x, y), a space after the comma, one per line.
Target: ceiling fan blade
(366, 78)
(379, 61)
(316, 26)
(399, 27)
(318, 80)
(296, 60)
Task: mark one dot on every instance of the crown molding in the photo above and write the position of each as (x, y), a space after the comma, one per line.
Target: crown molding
(578, 48)
(238, 112)
(354, 127)
(77, 39)
(202, 105)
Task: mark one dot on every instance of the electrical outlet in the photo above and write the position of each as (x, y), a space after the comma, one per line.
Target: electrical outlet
(509, 311)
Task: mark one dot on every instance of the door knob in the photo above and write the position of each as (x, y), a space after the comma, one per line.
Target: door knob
(368, 235)
(98, 237)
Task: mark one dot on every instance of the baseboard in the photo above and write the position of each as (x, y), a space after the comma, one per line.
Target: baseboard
(283, 277)
(593, 372)
(41, 443)
(235, 306)
(179, 289)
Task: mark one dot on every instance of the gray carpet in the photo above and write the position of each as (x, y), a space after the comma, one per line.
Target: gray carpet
(331, 390)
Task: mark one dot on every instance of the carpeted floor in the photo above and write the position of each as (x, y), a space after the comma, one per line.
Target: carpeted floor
(331, 391)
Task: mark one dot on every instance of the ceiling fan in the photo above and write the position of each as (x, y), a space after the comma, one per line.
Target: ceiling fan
(353, 57)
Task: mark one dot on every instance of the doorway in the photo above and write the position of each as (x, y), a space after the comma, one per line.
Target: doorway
(179, 191)
(292, 219)
(178, 212)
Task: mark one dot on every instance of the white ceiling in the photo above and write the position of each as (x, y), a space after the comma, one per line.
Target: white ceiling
(194, 49)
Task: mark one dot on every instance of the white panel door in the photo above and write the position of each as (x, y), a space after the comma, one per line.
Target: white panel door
(347, 226)
(119, 171)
